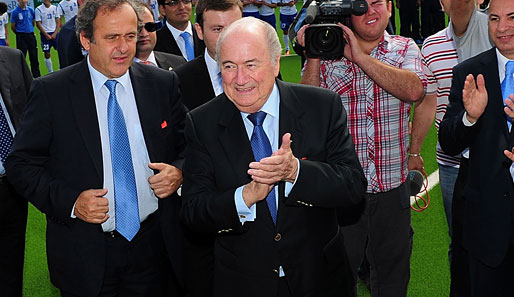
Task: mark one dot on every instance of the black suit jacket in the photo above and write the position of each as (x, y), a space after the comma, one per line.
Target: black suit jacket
(195, 84)
(489, 191)
(166, 43)
(57, 154)
(168, 61)
(69, 48)
(305, 241)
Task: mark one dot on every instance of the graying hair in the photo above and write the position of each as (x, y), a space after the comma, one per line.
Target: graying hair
(249, 23)
(89, 10)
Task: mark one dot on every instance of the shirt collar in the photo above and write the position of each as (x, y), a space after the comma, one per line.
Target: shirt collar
(502, 61)
(98, 79)
(271, 106)
(212, 65)
(176, 32)
(151, 59)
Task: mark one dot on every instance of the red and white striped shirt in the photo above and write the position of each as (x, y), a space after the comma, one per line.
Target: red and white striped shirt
(378, 121)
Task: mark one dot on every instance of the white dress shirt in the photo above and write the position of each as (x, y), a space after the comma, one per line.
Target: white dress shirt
(214, 69)
(180, 41)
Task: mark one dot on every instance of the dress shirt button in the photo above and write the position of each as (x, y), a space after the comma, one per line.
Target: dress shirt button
(242, 216)
(277, 237)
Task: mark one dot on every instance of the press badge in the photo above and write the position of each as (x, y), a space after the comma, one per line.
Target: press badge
(20, 16)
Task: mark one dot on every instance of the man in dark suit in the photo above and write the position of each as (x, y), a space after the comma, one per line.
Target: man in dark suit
(14, 88)
(476, 118)
(200, 79)
(146, 40)
(92, 153)
(274, 218)
(177, 35)
(69, 49)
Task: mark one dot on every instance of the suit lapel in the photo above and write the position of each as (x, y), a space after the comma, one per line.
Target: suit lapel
(84, 109)
(493, 86)
(148, 110)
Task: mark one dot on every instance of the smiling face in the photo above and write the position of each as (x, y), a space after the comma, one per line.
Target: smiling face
(501, 26)
(114, 45)
(370, 26)
(246, 68)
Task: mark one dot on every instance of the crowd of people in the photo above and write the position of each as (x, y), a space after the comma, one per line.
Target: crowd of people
(170, 159)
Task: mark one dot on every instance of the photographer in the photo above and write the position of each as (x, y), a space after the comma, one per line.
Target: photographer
(378, 78)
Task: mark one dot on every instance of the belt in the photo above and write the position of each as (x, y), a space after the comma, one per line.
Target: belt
(146, 222)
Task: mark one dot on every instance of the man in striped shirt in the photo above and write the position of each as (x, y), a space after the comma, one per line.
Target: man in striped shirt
(378, 78)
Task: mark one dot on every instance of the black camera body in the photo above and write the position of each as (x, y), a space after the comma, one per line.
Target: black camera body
(324, 39)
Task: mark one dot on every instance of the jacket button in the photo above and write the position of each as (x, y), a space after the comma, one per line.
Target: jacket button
(278, 237)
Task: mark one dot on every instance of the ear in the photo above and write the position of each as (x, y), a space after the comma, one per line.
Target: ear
(277, 66)
(162, 11)
(199, 31)
(86, 42)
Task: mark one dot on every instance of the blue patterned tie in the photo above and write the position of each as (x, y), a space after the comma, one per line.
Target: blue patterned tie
(262, 148)
(508, 85)
(190, 51)
(5, 136)
(125, 190)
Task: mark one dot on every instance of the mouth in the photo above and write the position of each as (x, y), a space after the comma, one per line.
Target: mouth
(506, 37)
(372, 21)
(120, 60)
(243, 90)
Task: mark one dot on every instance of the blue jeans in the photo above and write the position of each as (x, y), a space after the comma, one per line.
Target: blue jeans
(447, 178)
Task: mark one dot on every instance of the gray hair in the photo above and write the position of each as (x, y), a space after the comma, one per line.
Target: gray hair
(89, 10)
(250, 24)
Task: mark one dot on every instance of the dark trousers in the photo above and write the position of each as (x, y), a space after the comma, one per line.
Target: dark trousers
(136, 268)
(13, 222)
(459, 270)
(283, 288)
(27, 42)
(384, 234)
(432, 17)
(409, 19)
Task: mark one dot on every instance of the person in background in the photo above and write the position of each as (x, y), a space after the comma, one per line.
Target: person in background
(48, 23)
(4, 20)
(22, 24)
(267, 12)
(67, 9)
(287, 14)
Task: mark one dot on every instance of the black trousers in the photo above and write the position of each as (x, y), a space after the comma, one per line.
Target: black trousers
(432, 17)
(409, 19)
(384, 235)
(136, 268)
(13, 222)
(27, 42)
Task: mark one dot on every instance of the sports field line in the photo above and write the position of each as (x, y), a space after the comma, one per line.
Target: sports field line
(433, 180)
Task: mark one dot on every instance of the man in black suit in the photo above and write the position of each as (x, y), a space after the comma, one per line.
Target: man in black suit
(200, 79)
(14, 88)
(478, 118)
(92, 153)
(275, 218)
(177, 35)
(146, 40)
(69, 49)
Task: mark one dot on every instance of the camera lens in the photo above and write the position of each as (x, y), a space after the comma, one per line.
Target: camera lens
(326, 39)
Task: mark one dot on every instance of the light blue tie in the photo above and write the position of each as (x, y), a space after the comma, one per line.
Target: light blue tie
(220, 81)
(262, 148)
(125, 190)
(190, 51)
(508, 86)
(5, 136)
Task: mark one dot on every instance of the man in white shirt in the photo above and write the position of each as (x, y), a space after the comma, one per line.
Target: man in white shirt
(48, 22)
(67, 9)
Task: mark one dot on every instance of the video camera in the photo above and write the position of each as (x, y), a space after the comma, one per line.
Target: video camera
(324, 38)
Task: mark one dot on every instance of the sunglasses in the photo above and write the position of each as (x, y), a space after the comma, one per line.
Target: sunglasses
(176, 2)
(152, 27)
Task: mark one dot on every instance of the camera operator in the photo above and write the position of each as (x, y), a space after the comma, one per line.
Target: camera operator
(378, 78)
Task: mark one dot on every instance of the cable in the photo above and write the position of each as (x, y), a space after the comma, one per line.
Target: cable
(419, 197)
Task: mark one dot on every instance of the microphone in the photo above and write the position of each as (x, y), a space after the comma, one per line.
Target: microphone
(416, 181)
(310, 14)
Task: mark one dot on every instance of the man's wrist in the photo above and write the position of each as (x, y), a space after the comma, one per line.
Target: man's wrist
(413, 154)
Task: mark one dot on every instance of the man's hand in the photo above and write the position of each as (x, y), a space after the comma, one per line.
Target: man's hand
(280, 166)
(92, 207)
(54, 35)
(300, 35)
(167, 181)
(474, 97)
(415, 163)
(254, 192)
(352, 48)
(509, 109)
(509, 154)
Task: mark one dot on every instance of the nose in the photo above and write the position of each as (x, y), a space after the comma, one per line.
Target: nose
(503, 25)
(241, 76)
(123, 44)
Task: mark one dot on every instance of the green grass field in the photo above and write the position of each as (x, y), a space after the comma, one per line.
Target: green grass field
(429, 262)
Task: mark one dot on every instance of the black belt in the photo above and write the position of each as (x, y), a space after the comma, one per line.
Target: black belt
(146, 222)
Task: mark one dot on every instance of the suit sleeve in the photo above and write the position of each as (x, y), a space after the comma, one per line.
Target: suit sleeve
(336, 181)
(27, 166)
(205, 208)
(454, 136)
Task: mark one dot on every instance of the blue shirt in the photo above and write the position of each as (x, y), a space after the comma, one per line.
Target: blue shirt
(23, 19)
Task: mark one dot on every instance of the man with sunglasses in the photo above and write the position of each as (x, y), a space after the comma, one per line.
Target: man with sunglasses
(146, 40)
(177, 35)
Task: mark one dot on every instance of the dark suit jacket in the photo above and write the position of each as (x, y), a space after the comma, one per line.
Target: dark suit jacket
(57, 155)
(195, 84)
(166, 43)
(305, 241)
(69, 48)
(168, 61)
(489, 191)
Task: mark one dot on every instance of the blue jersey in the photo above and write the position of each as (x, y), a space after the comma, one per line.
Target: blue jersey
(23, 19)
